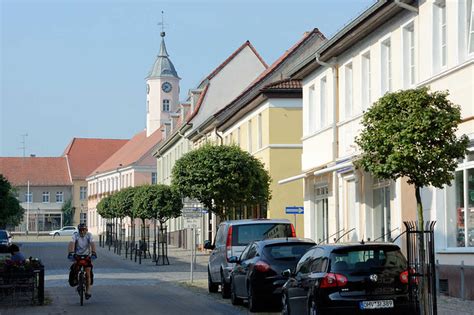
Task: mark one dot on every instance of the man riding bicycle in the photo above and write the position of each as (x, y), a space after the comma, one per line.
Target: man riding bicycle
(82, 243)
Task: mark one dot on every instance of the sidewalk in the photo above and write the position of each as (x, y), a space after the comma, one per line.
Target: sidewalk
(453, 306)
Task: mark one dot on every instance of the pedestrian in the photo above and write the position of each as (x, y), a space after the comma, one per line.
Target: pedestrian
(17, 257)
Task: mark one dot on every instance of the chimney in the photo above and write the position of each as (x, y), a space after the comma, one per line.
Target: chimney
(174, 120)
(32, 155)
(185, 110)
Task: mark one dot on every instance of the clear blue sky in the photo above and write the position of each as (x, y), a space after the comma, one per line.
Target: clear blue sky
(75, 68)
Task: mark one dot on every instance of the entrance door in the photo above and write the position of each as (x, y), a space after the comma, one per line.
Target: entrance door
(381, 224)
(321, 209)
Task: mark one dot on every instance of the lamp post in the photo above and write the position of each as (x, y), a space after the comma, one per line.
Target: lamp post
(37, 223)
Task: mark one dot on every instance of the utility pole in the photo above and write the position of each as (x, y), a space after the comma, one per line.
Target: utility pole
(23, 143)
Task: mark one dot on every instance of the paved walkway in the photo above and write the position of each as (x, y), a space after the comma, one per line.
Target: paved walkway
(453, 306)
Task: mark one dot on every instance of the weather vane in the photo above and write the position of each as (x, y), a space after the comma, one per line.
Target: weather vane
(162, 24)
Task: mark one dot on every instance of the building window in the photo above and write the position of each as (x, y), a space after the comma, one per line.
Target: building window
(311, 109)
(166, 105)
(321, 213)
(153, 178)
(470, 34)
(348, 90)
(439, 35)
(386, 66)
(83, 193)
(259, 122)
(322, 103)
(59, 197)
(29, 197)
(365, 82)
(460, 202)
(378, 218)
(45, 196)
(249, 135)
(409, 55)
(83, 218)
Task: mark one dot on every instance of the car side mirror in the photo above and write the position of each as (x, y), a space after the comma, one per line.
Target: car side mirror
(286, 273)
(234, 259)
(208, 245)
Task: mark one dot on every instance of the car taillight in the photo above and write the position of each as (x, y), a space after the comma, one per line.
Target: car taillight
(405, 276)
(293, 232)
(228, 244)
(261, 266)
(333, 280)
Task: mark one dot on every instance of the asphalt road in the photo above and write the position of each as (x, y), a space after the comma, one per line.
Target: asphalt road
(121, 287)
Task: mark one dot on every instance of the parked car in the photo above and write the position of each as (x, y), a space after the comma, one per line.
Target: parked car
(64, 231)
(257, 277)
(348, 278)
(231, 239)
(5, 238)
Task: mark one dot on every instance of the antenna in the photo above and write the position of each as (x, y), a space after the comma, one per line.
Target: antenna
(162, 24)
(23, 143)
(344, 234)
(383, 236)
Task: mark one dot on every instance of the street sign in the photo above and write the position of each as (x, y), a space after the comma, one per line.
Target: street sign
(192, 212)
(294, 210)
(191, 223)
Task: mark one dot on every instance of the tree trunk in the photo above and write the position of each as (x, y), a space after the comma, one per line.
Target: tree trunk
(423, 293)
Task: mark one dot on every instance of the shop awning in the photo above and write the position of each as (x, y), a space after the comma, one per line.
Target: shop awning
(291, 179)
(336, 167)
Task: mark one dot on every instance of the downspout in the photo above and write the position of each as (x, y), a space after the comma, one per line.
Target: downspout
(335, 134)
(217, 134)
(406, 6)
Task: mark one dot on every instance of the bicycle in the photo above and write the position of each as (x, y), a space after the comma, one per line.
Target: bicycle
(82, 261)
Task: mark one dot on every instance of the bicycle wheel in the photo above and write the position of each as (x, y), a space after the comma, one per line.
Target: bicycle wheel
(81, 286)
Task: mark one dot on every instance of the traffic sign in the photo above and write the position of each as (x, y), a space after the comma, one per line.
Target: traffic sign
(191, 223)
(294, 210)
(192, 212)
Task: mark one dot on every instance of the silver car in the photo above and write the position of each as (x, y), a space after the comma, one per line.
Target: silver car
(231, 239)
(65, 231)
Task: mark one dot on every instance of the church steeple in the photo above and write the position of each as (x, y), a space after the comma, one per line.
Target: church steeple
(162, 89)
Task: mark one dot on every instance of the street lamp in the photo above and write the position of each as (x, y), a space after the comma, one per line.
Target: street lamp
(37, 223)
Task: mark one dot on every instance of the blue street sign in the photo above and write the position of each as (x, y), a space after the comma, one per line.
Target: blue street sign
(294, 210)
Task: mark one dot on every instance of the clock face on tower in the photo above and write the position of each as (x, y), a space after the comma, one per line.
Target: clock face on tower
(166, 87)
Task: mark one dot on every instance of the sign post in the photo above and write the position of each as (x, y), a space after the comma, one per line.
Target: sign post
(192, 218)
(294, 210)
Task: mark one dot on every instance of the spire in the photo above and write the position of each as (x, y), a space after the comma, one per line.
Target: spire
(163, 67)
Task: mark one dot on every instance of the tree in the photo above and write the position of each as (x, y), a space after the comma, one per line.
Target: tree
(104, 207)
(11, 212)
(412, 134)
(221, 177)
(123, 205)
(68, 212)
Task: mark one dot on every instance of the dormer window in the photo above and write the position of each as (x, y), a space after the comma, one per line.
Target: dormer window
(166, 105)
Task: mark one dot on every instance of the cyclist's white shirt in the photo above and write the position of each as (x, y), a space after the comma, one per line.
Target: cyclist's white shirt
(82, 244)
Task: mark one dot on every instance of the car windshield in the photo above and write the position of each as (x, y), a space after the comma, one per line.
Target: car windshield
(3, 235)
(244, 234)
(367, 259)
(291, 251)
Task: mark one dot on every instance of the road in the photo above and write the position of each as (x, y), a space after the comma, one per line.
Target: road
(121, 287)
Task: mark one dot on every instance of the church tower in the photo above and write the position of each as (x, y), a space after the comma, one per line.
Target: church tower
(162, 88)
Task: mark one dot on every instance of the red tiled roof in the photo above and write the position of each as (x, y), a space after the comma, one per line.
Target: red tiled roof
(136, 150)
(85, 155)
(283, 85)
(39, 171)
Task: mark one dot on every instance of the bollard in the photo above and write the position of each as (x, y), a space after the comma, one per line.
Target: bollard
(136, 249)
(126, 249)
(437, 276)
(462, 279)
(41, 286)
(154, 251)
(140, 256)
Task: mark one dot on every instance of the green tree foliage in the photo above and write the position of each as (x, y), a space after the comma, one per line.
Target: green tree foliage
(158, 202)
(221, 177)
(412, 134)
(104, 208)
(68, 212)
(123, 203)
(11, 212)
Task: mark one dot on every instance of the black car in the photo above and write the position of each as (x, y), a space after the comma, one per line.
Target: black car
(348, 279)
(257, 274)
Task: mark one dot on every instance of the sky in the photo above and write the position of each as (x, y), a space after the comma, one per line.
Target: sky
(77, 68)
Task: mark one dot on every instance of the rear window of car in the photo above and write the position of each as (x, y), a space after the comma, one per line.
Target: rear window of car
(291, 252)
(242, 235)
(3, 235)
(367, 259)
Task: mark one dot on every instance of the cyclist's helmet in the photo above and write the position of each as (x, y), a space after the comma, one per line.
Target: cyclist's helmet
(82, 227)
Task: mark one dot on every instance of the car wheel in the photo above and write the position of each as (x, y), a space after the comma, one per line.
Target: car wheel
(252, 300)
(285, 304)
(212, 287)
(56, 234)
(225, 287)
(233, 297)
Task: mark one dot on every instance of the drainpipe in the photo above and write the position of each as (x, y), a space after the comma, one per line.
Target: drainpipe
(335, 134)
(217, 134)
(406, 6)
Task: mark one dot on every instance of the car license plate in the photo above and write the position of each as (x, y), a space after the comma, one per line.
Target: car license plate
(368, 305)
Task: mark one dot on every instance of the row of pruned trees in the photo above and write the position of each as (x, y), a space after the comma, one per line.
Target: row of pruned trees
(152, 202)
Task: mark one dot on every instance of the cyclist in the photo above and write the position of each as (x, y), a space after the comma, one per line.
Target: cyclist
(82, 243)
